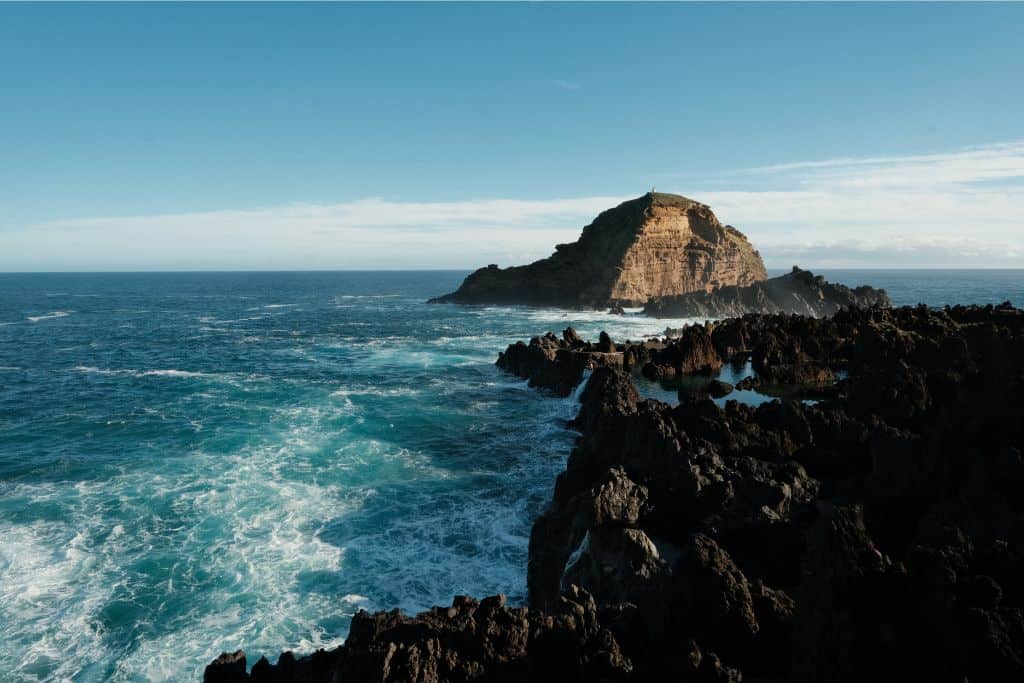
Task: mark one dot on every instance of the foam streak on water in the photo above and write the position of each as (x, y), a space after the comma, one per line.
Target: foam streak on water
(197, 463)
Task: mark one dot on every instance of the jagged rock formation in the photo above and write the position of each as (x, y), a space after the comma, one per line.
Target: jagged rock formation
(469, 641)
(877, 535)
(655, 245)
(558, 364)
(799, 292)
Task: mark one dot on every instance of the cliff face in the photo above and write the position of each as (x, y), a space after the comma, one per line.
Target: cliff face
(655, 245)
(800, 292)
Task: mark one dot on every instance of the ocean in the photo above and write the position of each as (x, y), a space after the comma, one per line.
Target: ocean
(198, 462)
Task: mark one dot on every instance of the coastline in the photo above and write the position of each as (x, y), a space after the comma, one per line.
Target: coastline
(758, 536)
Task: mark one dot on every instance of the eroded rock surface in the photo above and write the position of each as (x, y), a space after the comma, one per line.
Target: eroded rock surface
(655, 245)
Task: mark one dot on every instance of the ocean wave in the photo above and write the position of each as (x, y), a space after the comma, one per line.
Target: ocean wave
(49, 316)
(183, 374)
(237, 527)
(376, 391)
(368, 296)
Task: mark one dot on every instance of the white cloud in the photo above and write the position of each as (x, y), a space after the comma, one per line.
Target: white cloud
(961, 208)
(367, 233)
(957, 208)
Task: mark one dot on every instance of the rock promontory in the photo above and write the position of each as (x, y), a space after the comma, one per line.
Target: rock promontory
(652, 246)
(798, 292)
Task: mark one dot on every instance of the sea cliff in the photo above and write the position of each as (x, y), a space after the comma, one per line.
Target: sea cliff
(874, 535)
(655, 245)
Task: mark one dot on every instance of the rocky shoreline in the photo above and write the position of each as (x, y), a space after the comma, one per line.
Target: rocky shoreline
(875, 535)
(799, 292)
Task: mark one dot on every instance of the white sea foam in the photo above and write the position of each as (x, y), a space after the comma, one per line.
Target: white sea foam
(376, 391)
(171, 372)
(241, 520)
(174, 373)
(49, 316)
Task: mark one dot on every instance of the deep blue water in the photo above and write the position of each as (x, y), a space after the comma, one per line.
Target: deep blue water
(192, 463)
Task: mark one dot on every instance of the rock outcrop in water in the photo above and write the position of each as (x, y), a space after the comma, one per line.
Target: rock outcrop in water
(655, 245)
(877, 535)
(799, 292)
(558, 364)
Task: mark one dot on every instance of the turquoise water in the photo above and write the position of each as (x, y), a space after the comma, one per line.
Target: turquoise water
(192, 463)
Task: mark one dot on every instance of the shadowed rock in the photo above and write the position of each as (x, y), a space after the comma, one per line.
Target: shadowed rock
(799, 292)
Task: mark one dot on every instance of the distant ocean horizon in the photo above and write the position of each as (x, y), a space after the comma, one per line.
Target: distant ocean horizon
(194, 462)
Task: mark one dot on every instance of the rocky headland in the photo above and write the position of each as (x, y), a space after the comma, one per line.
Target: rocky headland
(655, 245)
(800, 292)
(874, 535)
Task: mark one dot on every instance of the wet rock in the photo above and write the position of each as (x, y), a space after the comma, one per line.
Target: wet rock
(572, 338)
(717, 388)
(482, 640)
(227, 668)
(557, 364)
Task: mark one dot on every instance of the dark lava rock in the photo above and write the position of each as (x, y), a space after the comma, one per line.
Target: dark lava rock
(472, 640)
(876, 535)
(865, 538)
(716, 388)
(799, 292)
(228, 668)
(558, 364)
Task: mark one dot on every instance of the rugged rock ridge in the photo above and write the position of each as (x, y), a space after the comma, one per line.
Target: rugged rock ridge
(799, 292)
(557, 363)
(875, 536)
(878, 535)
(655, 245)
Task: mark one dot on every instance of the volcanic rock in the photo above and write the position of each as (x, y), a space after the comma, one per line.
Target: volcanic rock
(799, 292)
(558, 364)
(654, 245)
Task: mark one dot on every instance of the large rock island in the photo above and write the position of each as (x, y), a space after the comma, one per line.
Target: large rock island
(655, 245)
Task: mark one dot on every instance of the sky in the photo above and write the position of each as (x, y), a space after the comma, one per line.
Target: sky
(315, 136)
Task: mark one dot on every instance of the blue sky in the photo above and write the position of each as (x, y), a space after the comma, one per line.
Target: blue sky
(369, 136)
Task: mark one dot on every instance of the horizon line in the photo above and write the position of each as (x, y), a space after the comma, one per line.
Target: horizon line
(448, 270)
